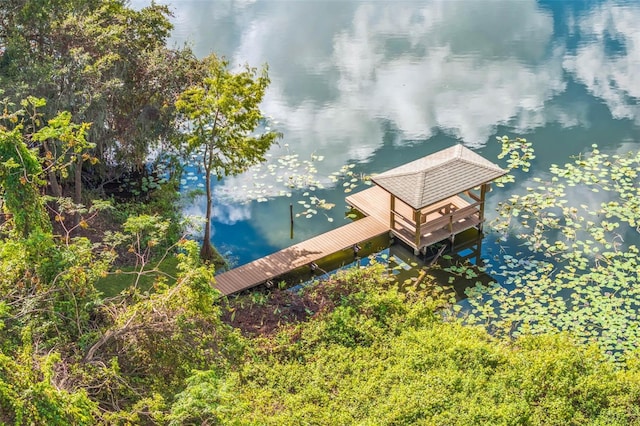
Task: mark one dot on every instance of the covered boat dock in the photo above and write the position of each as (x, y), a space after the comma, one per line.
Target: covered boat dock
(430, 199)
(420, 203)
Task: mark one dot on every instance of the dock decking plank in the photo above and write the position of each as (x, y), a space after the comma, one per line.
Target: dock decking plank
(303, 253)
(373, 202)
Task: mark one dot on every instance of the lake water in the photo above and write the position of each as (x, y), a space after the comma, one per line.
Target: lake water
(376, 84)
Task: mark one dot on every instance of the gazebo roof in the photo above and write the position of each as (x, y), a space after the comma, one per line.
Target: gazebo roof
(438, 176)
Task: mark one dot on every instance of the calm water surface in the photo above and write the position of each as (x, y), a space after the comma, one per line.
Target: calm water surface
(378, 84)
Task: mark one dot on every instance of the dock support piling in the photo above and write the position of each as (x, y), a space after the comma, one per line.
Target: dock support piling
(291, 219)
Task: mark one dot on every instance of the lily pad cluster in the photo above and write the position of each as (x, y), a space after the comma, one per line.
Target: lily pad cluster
(312, 204)
(346, 176)
(287, 175)
(579, 270)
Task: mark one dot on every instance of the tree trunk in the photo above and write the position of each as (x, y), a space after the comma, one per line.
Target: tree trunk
(77, 181)
(56, 189)
(207, 253)
(77, 188)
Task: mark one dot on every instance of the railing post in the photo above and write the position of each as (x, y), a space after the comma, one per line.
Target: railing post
(392, 220)
(483, 191)
(416, 221)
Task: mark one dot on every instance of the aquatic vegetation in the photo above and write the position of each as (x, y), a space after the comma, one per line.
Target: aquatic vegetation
(289, 175)
(579, 268)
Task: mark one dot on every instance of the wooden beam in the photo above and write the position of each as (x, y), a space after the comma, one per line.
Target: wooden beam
(471, 194)
(483, 192)
(416, 220)
(392, 207)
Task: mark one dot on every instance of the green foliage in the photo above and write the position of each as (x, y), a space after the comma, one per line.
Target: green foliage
(30, 395)
(71, 139)
(385, 357)
(163, 201)
(104, 62)
(49, 288)
(47, 284)
(148, 244)
(20, 176)
(579, 274)
(146, 231)
(24, 172)
(205, 401)
(361, 313)
(155, 340)
(221, 113)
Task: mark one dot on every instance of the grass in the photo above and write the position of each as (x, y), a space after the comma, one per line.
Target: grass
(124, 277)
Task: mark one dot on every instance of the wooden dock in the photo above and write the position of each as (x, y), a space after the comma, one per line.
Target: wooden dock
(421, 203)
(296, 256)
(438, 222)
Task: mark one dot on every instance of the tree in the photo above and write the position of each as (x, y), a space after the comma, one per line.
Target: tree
(220, 115)
(106, 64)
(57, 148)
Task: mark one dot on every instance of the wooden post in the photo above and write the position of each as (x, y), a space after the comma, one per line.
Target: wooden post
(452, 236)
(416, 219)
(291, 219)
(392, 207)
(483, 191)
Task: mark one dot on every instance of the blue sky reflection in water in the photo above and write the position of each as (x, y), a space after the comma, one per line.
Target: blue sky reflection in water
(378, 84)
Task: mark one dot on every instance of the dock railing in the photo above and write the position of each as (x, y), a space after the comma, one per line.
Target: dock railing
(451, 221)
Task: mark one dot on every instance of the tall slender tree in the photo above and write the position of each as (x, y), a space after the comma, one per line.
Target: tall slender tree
(220, 115)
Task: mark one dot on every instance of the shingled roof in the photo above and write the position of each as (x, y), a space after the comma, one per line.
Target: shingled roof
(438, 176)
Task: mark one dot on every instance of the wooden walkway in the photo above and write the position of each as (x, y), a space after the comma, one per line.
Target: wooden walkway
(439, 221)
(301, 254)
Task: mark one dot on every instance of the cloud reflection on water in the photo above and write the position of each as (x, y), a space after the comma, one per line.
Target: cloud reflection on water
(608, 60)
(461, 68)
(345, 72)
